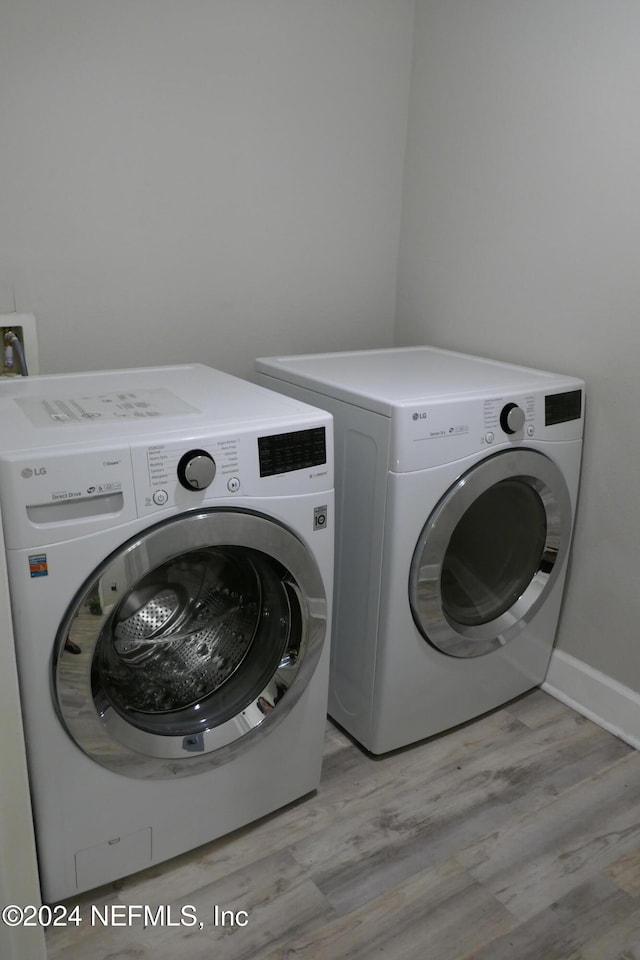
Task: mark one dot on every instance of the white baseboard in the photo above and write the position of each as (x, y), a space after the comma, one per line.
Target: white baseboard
(595, 695)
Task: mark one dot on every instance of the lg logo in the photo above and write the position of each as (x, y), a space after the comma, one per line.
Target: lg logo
(38, 472)
(419, 416)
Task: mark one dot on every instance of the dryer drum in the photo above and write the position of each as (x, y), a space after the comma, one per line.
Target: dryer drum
(489, 553)
(494, 553)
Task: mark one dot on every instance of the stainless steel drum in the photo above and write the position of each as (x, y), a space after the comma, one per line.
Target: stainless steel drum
(176, 640)
(210, 628)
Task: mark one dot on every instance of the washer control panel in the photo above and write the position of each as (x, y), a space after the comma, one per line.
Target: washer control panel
(185, 473)
(60, 496)
(176, 473)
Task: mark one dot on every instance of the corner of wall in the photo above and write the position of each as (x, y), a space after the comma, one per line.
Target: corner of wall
(611, 705)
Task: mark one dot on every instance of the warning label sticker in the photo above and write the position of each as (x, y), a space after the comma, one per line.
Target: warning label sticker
(104, 408)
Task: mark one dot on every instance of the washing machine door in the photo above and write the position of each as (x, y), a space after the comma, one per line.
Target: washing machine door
(490, 553)
(194, 638)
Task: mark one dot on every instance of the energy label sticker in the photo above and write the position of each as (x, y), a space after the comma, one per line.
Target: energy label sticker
(38, 566)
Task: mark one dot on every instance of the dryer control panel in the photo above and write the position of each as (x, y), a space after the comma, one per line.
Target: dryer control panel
(508, 418)
(426, 435)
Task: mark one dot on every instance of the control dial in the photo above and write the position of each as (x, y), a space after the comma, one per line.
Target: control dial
(512, 418)
(196, 470)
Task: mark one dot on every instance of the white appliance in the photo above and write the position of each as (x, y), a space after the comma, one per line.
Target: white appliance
(456, 485)
(169, 539)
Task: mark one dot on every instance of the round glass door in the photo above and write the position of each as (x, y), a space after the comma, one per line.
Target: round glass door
(489, 553)
(189, 639)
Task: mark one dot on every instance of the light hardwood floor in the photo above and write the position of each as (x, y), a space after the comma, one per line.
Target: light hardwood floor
(515, 837)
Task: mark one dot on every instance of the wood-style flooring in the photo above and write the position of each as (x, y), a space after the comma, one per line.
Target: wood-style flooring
(515, 837)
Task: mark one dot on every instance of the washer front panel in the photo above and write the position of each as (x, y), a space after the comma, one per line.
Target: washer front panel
(201, 632)
(490, 552)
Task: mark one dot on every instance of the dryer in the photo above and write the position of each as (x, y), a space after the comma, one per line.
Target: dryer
(456, 487)
(169, 540)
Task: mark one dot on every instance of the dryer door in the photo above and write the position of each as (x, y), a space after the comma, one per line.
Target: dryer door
(490, 552)
(204, 633)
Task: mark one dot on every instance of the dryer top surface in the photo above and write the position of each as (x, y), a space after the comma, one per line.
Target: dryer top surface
(382, 380)
(145, 403)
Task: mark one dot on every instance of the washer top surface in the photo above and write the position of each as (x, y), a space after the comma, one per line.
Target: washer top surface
(66, 410)
(382, 380)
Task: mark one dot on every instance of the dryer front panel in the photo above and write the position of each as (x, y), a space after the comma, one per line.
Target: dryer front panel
(490, 552)
(200, 633)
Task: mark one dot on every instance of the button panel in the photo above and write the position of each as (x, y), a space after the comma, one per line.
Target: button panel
(293, 462)
(494, 408)
(158, 467)
(447, 430)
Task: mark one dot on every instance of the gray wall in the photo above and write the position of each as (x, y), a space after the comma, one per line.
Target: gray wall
(521, 238)
(212, 181)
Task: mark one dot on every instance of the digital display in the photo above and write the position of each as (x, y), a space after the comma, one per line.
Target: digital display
(562, 407)
(285, 452)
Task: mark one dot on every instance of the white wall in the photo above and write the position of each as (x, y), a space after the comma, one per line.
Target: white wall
(521, 239)
(191, 180)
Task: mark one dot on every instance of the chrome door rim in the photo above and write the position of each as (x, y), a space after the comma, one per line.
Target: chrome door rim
(106, 736)
(425, 595)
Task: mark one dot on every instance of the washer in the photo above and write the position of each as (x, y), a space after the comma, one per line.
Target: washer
(174, 527)
(456, 487)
